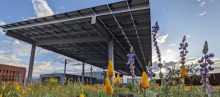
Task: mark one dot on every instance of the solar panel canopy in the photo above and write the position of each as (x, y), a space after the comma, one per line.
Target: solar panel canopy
(84, 34)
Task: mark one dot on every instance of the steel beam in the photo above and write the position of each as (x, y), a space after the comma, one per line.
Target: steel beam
(98, 25)
(31, 64)
(105, 33)
(61, 52)
(20, 37)
(70, 40)
(102, 62)
(141, 7)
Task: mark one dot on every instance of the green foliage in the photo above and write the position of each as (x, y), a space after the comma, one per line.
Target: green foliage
(129, 86)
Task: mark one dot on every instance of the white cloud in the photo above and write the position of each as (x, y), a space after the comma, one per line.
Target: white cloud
(172, 44)
(202, 4)
(162, 38)
(41, 8)
(188, 36)
(189, 61)
(2, 22)
(61, 7)
(201, 14)
(42, 67)
(164, 9)
(28, 18)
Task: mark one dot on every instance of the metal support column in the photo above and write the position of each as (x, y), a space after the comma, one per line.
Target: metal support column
(91, 76)
(31, 64)
(83, 72)
(111, 56)
(103, 75)
(111, 52)
(64, 72)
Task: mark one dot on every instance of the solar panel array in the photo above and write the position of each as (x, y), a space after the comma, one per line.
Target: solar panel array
(128, 22)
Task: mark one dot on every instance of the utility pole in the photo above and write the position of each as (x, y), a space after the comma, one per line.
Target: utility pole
(65, 62)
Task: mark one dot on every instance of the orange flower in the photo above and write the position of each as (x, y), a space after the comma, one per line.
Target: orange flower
(187, 88)
(82, 95)
(0, 95)
(117, 79)
(108, 87)
(183, 71)
(110, 71)
(144, 81)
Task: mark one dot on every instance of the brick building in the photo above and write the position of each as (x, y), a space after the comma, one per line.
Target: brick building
(12, 73)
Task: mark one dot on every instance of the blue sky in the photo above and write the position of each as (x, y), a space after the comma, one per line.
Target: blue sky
(197, 19)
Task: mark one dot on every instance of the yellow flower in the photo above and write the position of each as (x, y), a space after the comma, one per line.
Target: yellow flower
(3, 87)
(156, 85)
(17, 86)
(8, 93)
(110, 71)
(187, 88)
(81, 95)
(144, 81)
(183, 71)
(23, 92)
(108, 87)
(0, 95)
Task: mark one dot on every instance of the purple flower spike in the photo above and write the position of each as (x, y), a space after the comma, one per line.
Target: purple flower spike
(154, 34)
(183, 51)
(131, 63)
(205, 67)
(150, 73)
(211, 55)
(210, 68)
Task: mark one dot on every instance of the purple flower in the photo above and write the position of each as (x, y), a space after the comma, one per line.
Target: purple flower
(154, 33)
(211, 55)
(204, 62)
(155, 30)
(183, 51)
(150, 72)
(131, 62)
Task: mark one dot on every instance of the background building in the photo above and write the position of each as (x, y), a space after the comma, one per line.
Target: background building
(12, 73)
(69, 77)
